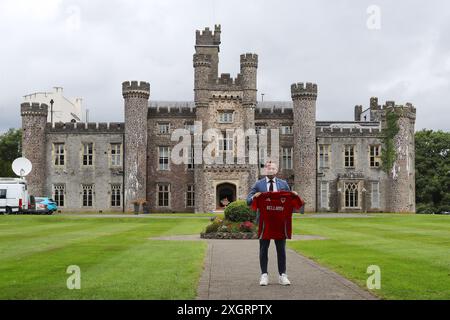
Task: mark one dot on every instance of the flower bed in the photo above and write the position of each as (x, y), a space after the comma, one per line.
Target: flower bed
(229, 235)
(236, 223)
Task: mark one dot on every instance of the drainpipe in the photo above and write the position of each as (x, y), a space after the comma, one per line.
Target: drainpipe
(317, 175)
(123, 170)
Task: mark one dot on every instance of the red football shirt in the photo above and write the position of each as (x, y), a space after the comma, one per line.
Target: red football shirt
(275, 214)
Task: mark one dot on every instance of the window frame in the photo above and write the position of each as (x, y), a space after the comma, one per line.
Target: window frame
(84, 188)
(57, 156)
(356, 192)
(159, 126)
(158, 192)
(116, 195)
(287, 162)
(324, 156)
(59, 190)
(286, 132)
(89, 157)
(376, 156)
(372, 194)
(190, 195)
(224, 115)
(116, 155)
(162, 166)
(350, 159)
(327, 193)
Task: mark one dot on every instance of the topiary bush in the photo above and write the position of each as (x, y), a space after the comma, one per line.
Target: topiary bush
(213, 227)
(238, 211)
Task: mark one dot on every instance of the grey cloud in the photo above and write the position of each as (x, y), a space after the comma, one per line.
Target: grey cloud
(326, 42)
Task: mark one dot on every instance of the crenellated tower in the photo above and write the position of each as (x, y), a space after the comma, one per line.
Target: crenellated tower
(207, 42)
(136, 97)
(215, 96)
(248, 72)
(304, 98)
(402, 174)
(34, 119)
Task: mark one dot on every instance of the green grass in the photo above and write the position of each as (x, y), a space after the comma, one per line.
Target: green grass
(413, 252)
(118, 261)
(116, 258)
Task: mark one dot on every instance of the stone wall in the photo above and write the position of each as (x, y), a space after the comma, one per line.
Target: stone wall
(136, 97)
(73, 174)
(34, 118)
(304, 97)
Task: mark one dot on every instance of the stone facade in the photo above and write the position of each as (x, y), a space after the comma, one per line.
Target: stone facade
(34, 118)
(334, 165)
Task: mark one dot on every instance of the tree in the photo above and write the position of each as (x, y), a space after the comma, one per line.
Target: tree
(432, 171)
(9, 150)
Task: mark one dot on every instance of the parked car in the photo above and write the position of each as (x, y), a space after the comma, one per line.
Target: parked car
(45, 205)
(13, 195)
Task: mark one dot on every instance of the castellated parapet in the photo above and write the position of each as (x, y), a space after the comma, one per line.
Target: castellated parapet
(33, 109)
(136, 89)
(249, 60)
(304, 108)
(34, 118)
(207, 37)
(304, 91)
(208, 42)
(404, 111)
(85, 127)
(136, 97)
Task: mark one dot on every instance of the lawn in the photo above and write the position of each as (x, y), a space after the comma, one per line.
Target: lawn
(116, 259)
(412, 251)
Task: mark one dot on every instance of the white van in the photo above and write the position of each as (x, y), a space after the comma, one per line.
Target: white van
(13, 195)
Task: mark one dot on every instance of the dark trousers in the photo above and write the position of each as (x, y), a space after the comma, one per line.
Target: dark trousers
(281, 255)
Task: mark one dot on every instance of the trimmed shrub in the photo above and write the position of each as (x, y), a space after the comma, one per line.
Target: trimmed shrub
(238, 211)
(212, 227)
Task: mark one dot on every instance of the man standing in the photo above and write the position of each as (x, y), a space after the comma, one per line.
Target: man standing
(270, 184)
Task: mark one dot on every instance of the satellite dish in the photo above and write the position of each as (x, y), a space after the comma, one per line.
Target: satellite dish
(22, 167)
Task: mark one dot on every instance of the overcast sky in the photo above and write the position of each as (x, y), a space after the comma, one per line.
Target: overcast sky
(90, 47)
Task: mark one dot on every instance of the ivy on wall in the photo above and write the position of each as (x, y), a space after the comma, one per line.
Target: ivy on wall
(388, 154)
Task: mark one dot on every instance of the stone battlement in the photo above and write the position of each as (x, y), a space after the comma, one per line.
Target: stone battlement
(83, 127)
(226, 82)
(208, 38)
(249, 60)
(33, 109)
(225, 79)
(135, 87)
(302, 90)
(168, 111)
(361, 131)
(407, 110)
(273, 113)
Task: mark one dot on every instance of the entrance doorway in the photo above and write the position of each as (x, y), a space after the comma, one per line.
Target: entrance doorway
(225, 194)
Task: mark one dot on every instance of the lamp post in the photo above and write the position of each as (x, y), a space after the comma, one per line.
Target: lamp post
(51, 111)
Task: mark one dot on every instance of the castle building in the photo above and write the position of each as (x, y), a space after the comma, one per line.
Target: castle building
(335, 166)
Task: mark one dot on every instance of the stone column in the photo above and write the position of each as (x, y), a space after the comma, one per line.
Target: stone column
(304, 97)
(136, 97)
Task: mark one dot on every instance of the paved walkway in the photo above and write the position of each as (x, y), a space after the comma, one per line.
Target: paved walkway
(231, 272)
